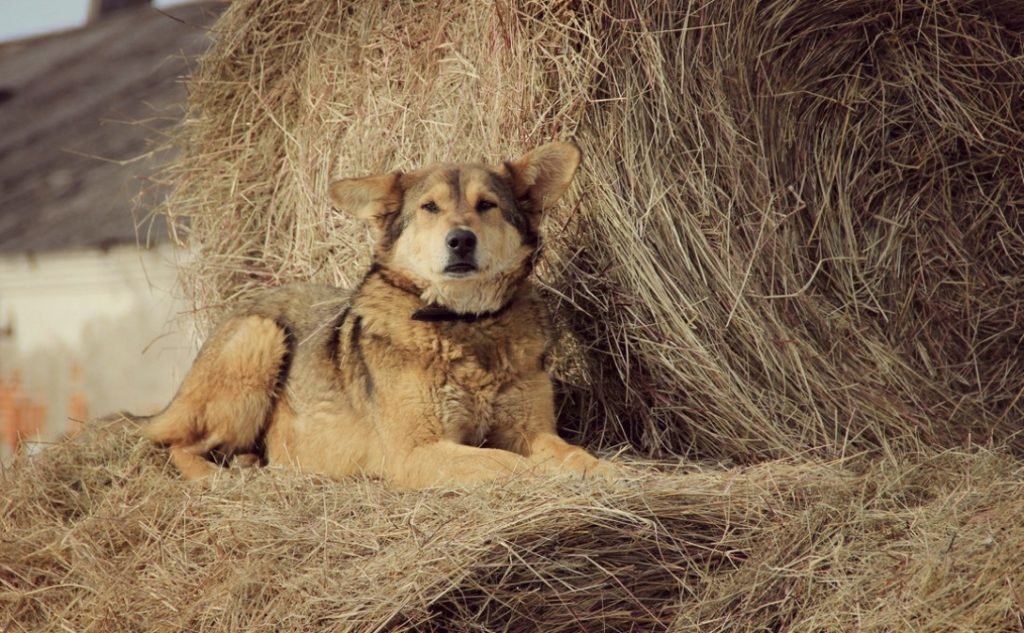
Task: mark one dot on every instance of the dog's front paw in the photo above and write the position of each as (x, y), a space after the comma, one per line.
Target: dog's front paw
(606, 471)
(246, 461)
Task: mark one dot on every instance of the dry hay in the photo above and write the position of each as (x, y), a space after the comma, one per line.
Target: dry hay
(797, 228)
(98, 536)
(796, 234)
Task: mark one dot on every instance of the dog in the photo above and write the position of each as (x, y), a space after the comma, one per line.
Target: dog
(429, 372)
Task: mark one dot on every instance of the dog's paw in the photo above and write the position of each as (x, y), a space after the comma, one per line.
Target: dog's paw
(604, 470)
(246, 461)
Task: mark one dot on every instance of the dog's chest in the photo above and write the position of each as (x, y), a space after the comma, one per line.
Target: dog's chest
(479, 381)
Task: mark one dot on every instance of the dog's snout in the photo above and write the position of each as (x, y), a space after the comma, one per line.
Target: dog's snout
(461, 242)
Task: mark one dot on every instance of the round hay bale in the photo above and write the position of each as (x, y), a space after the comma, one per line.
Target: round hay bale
(797, 229)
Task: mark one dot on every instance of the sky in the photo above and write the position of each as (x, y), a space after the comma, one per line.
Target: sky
(22, 18)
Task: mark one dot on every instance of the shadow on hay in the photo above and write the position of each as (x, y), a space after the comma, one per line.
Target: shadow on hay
(796, 233)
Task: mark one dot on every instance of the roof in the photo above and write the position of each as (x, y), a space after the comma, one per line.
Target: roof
(81, 113)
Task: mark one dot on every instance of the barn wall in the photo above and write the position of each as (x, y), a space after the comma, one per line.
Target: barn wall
(87, 332)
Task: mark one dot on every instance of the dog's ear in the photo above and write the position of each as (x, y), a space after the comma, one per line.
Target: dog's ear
(372, 198)
(543, 174)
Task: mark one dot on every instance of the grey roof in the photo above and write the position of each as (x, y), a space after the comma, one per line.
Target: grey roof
(75, 109)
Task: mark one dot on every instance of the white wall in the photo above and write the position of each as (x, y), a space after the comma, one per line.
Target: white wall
(117, 315)
(27, 18)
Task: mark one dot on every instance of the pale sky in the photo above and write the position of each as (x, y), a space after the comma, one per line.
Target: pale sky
(22, 18)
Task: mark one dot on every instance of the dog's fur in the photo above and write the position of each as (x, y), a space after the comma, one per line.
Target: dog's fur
(429, 372)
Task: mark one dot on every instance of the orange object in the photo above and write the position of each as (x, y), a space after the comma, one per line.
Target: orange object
(8, 415)
(78, 407)
(20, 416)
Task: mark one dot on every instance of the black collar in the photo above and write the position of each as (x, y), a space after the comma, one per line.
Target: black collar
(435, 313)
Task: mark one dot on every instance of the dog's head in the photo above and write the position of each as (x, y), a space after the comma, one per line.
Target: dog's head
(463, 235)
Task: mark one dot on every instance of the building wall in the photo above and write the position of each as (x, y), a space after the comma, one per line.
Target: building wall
(84, 333)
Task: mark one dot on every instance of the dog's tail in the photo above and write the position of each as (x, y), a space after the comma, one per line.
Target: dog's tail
(125, 417)
(119, 420)
(139, 423)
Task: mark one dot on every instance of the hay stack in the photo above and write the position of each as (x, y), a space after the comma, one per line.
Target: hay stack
(797, 228)
(98, 536)
(797, 233)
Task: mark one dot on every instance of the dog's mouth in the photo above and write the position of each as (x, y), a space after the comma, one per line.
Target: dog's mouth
(460, 269)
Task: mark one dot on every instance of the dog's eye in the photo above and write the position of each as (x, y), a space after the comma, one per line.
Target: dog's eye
(484, 205)
(430, 207)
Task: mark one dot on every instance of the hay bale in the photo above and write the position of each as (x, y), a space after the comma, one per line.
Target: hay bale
(797, 229)
(796, 234)
(98, 535)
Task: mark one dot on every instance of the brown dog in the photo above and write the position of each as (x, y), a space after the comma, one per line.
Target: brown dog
(429, 372)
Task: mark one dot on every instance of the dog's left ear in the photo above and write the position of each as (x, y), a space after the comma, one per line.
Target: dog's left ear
(372, 198)
(542, 175)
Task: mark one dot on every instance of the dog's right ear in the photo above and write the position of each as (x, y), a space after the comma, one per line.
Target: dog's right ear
(372, 198)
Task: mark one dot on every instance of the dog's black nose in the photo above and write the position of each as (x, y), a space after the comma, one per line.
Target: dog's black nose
(461, 242)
